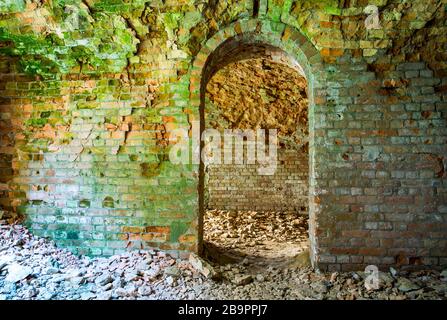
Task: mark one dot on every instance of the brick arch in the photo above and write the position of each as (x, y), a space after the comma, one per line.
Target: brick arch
(250, 39)
(265, 32)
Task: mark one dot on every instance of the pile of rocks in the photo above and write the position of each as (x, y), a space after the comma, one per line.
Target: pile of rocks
(305, 284)
(249, 228)
(34, 268)
(263, 237)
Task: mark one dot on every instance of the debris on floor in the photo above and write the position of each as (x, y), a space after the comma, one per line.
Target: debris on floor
(34, 268)
(256, 238)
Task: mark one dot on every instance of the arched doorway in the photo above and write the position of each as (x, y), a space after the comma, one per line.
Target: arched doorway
(251, 216)
(253, 39)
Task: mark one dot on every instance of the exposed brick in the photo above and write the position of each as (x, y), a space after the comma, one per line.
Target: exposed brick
(87, 149)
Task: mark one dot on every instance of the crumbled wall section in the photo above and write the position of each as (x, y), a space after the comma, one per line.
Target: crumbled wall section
(91, 127)
(260, 93)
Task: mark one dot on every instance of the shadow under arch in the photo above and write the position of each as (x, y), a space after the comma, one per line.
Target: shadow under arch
(249, 39)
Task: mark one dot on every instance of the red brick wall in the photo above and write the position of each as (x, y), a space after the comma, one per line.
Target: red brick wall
(241, 187)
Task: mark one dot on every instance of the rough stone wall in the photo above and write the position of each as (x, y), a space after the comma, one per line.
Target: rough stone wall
(89, 160)
(253, 94)
(260, 93)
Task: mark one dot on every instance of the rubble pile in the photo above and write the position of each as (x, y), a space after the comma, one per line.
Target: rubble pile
(249, 228)
(34, 268)
(265, 238)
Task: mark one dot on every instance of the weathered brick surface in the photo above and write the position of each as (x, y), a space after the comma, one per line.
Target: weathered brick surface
(85, 136)
(241, 187)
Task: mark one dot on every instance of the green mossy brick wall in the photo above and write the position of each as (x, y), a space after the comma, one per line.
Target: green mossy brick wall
(87, 107)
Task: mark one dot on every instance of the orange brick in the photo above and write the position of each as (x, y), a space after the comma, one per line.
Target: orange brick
(132, 229)
(158, 229)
